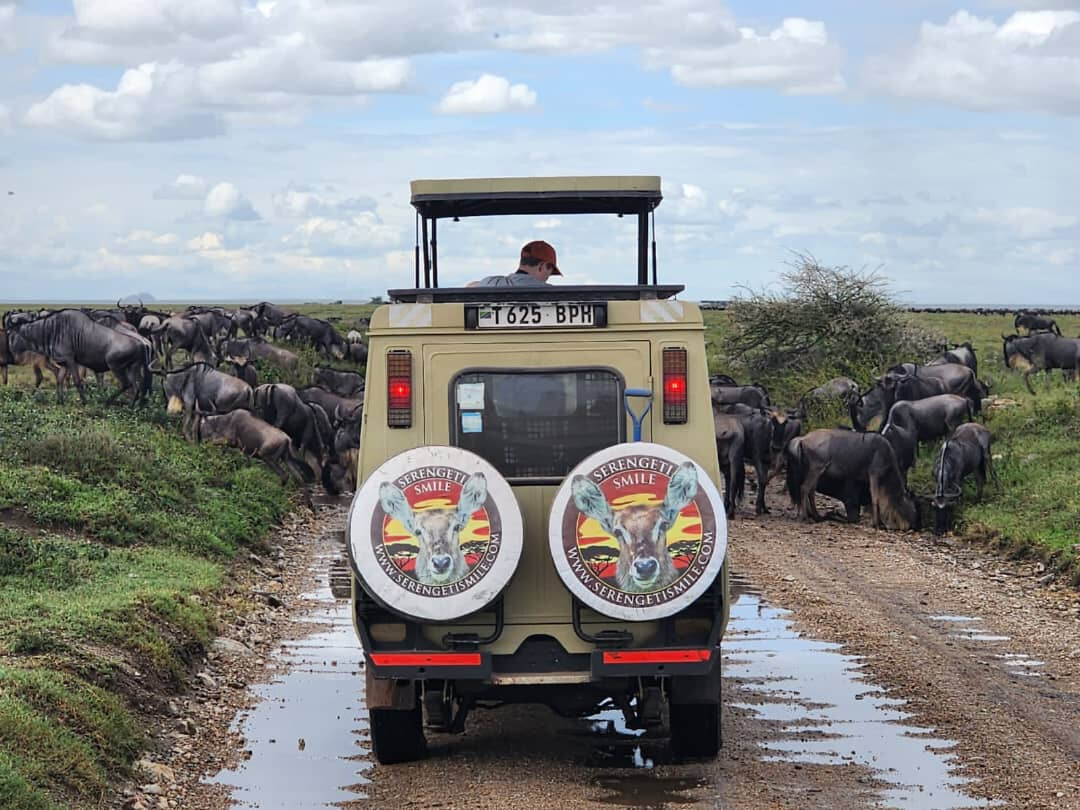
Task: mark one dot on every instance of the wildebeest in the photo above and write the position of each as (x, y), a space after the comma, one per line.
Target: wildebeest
(279, 405)
(319, 333)
(965, 452)
(962, 353)
(730, 452)
(869, 406)
(184, 333)
(70, 339)
(758, 431)
(267, 316)
(644, 562)
(851, 457)
(838, 389)
(912, 422)
(345, 383)
(912, 381)
(439, 559)
(353, 336)
(214, 322)
(1041, 352)
(245, 372)
(243, 350)
(5, 356)
(753, 395)
(201, 388)
(255, 438)
(337, 407)
(358, 353)
(1034, 322)
(339, 471)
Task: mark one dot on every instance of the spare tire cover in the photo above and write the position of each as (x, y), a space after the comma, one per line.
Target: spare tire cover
(435, 533)
(637, 531)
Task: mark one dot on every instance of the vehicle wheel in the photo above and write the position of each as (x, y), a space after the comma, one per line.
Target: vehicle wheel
(397, 735)
(695, 730)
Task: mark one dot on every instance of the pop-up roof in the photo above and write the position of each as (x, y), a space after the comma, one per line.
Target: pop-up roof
(476, 197)
(493, 196)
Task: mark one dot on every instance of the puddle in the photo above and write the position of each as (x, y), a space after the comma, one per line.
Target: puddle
(828, 715)
(968, 629)
(645, 791)
(304, 733)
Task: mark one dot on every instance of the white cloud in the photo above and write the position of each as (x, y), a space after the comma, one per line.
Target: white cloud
(1031, 61)
(184, 187)
(302, 202)
(547, 224)
(206, 242)
(150, 102)
(487, 94)
(226, 201)
(797, 57)
(122, 21)
(147, 237)
(5, 120)
(1029, 223)
(363, 233)
(7, 19)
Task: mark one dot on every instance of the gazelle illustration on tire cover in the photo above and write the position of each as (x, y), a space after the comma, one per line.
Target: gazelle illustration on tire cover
(435, 533)
(637, 531)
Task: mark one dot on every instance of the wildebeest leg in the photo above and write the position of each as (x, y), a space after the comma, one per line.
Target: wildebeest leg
(761, 470)
(38, 377)
(980, 479)
(1027, 381)
(808, 507)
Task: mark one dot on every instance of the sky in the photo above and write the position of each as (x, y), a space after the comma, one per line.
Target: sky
(232, 150)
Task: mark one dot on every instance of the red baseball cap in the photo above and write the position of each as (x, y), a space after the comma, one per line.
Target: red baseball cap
(544, 252)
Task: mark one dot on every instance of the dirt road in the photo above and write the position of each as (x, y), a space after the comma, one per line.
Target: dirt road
(863, 669)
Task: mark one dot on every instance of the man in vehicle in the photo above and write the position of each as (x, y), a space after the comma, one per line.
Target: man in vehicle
(537, 265)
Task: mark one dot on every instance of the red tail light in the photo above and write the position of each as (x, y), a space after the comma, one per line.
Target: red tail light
(399, 388)
(426, 659)
(675, 395)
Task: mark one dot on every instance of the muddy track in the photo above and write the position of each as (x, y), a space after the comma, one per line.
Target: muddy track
(863, 669)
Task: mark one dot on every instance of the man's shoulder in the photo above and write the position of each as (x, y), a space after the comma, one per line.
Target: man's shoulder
(512, 280)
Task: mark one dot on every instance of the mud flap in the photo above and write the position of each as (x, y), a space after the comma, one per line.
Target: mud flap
(388, 693)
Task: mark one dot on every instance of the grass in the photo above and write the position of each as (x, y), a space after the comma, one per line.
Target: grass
(113, 529)
(1036, 441)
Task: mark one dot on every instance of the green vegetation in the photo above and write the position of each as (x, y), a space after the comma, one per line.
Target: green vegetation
(112, 528)
(1036, 509)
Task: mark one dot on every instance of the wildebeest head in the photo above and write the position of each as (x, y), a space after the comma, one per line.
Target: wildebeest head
(641, 531)
(440, 559)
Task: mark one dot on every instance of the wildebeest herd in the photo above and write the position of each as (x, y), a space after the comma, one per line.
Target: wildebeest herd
(308, 433)
(867, 464)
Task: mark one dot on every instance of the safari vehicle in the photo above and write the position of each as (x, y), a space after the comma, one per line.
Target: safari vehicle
(538, 519)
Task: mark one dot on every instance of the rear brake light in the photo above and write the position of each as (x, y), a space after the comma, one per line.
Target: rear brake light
(399, 388)
(656, 656)
(675, 379)
(426, 659)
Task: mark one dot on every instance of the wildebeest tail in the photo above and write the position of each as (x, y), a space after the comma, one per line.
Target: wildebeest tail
(795, 472)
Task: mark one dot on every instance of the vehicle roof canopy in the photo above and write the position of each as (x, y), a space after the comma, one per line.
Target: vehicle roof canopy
(475, 197)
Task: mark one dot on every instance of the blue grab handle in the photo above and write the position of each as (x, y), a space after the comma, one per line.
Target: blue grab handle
(637, 418)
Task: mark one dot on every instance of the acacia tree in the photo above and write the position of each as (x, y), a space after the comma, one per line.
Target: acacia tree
(821, 322)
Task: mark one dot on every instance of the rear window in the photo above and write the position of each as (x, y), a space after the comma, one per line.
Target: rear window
(537, 425)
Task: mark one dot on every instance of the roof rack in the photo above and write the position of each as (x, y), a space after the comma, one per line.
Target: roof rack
(576, 293)
(500, 196)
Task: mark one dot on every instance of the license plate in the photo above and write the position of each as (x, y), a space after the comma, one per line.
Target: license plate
(527, 316)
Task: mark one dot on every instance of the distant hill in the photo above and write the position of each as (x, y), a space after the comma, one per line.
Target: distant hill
(144, 297)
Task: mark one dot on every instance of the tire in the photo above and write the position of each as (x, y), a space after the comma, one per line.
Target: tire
(695, 730)
(397, 735)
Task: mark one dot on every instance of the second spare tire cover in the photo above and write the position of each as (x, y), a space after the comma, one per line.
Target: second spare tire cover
(435, 533)
(637, 531)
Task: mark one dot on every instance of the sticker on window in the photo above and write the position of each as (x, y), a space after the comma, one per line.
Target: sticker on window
(472, 422)
(470, 396)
